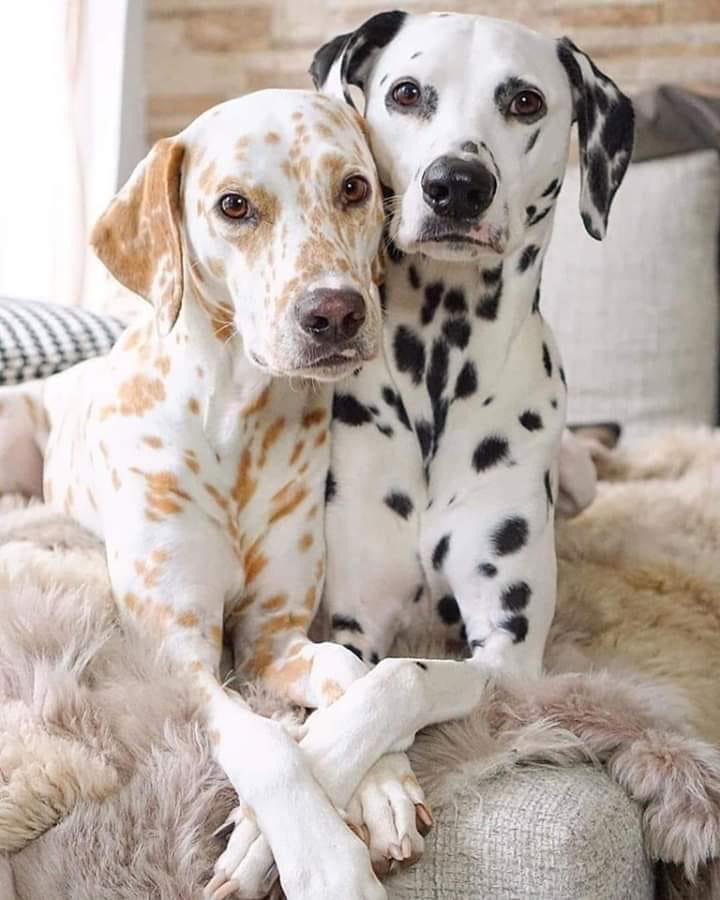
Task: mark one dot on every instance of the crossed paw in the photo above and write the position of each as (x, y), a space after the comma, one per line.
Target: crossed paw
(387, 813)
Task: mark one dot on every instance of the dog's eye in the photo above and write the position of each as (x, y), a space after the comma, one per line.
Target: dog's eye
(234, 206)
(527, 104)
(406, 93)
(355, 190)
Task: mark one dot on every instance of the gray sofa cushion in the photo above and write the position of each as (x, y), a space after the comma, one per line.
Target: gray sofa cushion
(534, 834)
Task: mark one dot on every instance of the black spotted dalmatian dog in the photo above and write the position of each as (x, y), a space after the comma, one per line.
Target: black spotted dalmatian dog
(444, 451)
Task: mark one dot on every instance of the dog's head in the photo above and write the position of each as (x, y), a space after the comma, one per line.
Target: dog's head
(267, 207)
(469, 122)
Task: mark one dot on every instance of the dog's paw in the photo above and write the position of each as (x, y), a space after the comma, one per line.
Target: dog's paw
(389, 810)
(246, 868)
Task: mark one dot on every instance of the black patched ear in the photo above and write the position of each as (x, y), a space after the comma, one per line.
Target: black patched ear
(605, 121)
(348, 58)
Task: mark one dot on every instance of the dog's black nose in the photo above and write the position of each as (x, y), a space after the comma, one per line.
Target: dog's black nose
(331, 316)
(458, 188)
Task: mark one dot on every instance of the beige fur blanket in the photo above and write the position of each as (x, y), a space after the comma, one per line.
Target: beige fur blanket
(107, 788)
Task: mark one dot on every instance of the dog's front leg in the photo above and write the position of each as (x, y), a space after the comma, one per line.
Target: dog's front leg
(164, 586)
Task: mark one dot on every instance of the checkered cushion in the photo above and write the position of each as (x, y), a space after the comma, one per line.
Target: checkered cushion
(39, 339)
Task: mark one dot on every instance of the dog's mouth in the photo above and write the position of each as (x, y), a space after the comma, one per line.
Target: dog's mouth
(463, 237)
(333, 364)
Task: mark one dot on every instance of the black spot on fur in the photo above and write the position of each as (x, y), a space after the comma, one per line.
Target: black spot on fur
(413, 277)
(349, 410)
(492, 276)
(477, 644)
(487, 569)
(418, 594)
(553, 403)
(330, 486)
(510, 536)
(385, 430)
(548, 487)
(466, 382)
(489, 452)
(440, 552)
(374, 658)
(539, 216)
(433, 296)
(421, 665)
(561, 372)
(547, 362)
(487, 401)
(409, 353)
(531, 140)
(399, 503)
(394, 401)
(536, 301)
(528, 257)
(436, 382)
(487, 307)
(353, 649)
(455, 303)
(423, 430)
(530, 212)
(515, 597)
(531, 420)
(346, 623)
(517, 626)
(448, 610)
(550, 188)
(457, 332)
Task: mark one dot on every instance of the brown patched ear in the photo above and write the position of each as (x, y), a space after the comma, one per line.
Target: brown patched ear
(138, 235)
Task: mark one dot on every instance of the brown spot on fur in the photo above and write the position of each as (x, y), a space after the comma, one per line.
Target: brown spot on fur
(193, 406)
(320, 439)
(305, 542)
(139, 394)
(297, 450)
(188, 620)
(272, 137)
(116, 483)
(310, 598)
(216, 267)
(314, 417)
(294, 499)
(331, 690)
(245, 486)
(216, 495)
(258, 404)
(254, 561)
(215, 633)
(152, 441)
(162, 364)
(277, 601)
(272, 433)
(191, 461)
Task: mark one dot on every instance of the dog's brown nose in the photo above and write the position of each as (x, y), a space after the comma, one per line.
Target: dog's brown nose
(331, 316)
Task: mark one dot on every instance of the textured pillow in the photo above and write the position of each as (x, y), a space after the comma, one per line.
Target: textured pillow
(38, 339)
(636, 316)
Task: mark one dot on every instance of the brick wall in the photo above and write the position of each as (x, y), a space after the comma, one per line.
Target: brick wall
(199, 52)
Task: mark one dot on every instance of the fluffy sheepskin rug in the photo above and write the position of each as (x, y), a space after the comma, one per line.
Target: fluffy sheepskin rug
(108, 789)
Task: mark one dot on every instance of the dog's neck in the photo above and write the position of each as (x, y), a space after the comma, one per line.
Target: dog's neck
(496, 296)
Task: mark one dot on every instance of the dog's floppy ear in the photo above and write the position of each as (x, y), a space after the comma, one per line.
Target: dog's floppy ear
(138, 235)
(347, 59)
(605, 122)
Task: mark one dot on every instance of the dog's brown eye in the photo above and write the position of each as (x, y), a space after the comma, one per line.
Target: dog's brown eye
(355, 190)
(407, 93)
(527, 103)
(234, 206)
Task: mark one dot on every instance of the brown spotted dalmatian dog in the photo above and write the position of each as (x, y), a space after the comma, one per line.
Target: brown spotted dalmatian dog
(444, 449)
(198, 452)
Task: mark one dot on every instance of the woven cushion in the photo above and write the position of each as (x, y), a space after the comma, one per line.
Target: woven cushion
(534, 834)
(39, 339)
(636, 315)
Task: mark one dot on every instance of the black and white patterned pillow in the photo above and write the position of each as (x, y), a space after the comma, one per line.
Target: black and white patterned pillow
(39, 339)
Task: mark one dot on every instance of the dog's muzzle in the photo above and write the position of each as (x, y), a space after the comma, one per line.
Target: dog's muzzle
(458, 189)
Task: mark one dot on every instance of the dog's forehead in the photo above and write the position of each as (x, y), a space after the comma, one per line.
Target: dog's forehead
(483, 48)
(257, 132)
